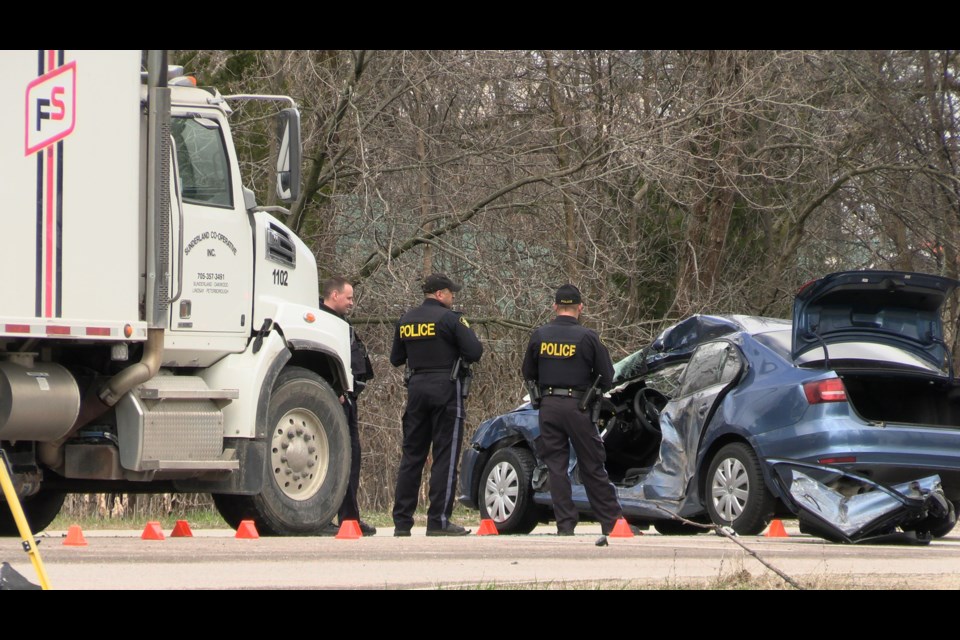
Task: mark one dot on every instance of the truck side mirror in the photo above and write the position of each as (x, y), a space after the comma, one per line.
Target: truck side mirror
(288, 158)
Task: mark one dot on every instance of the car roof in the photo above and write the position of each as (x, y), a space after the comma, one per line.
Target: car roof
(678, 341)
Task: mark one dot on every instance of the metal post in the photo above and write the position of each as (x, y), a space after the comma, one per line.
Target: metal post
(13, 501)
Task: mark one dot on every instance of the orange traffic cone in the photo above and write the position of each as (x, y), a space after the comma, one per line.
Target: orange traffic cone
(181, 530)
(621, 529)
(247, 531)
(349, 530)
(487, 528)
(152, 531)
(74, 537)
(776, 530)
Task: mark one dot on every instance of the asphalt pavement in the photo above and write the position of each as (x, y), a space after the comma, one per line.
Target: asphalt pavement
(215, 559)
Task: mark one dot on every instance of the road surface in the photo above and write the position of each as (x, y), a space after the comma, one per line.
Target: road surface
(214, 559)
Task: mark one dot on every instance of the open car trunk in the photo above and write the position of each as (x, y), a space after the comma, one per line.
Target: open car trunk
(886, 309)
(892, 397)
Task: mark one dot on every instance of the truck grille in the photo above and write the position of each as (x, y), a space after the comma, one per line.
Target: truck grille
(280, 247)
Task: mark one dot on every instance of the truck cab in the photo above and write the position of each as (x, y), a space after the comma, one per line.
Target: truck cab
(163, 331)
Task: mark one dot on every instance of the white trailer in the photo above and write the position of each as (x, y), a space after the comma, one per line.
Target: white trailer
(158, 330)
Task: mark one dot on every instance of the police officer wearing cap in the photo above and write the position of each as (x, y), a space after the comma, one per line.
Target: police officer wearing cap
(436, 344)
(564, 359)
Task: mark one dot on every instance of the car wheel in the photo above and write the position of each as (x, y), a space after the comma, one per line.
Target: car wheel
(677, 528)
(307, 463)
(736, 494)
(506, 495)
(40, 509)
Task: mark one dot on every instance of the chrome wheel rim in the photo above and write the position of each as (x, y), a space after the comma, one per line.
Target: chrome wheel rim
(501, 491)
(730, 489)
(299, 454)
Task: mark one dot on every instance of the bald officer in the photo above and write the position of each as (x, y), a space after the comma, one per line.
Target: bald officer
(430, 340)
(563, 359)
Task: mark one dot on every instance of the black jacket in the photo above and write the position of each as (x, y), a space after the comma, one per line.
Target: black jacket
(360, 364)
(564, 353)
(432, 337)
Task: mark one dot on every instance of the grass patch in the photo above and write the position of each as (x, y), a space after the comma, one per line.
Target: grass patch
(199, 518)
(202, 516)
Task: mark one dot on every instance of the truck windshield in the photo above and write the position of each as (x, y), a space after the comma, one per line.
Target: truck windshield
(202, 161)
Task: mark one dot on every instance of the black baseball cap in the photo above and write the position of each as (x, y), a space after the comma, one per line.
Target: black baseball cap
(437, 281)
(568, 294)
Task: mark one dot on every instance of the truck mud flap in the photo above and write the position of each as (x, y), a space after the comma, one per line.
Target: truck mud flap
(842, 506)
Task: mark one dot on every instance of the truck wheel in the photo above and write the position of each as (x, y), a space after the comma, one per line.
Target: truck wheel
(40, 510)
(307, 463)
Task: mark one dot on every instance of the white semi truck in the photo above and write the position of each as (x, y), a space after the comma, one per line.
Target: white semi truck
(159, 332)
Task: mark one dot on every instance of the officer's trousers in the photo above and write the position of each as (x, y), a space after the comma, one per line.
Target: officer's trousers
(562, 423)
(349, 508)
(433, 418)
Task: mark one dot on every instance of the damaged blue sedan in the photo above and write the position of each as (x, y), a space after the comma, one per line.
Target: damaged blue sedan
(847, 417)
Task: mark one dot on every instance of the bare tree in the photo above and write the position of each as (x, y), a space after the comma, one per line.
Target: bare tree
(661, 182)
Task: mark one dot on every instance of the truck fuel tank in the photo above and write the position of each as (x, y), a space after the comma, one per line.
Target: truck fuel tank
(39, 402)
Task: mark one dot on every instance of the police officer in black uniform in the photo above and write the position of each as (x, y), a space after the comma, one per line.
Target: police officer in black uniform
(563, 359)
(436, 344)
(338, 300)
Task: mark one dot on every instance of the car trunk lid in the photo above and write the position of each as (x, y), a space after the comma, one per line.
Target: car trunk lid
(891, 308)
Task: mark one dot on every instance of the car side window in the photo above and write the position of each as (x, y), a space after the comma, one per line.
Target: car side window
(730, 365)
(712, 363)
(703, 369)
(202, 161)
(667, 380)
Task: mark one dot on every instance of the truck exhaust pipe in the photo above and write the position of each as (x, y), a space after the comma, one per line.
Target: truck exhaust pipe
(94, 405)
(137, 373)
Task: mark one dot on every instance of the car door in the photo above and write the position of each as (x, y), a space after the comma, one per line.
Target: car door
(713, 369)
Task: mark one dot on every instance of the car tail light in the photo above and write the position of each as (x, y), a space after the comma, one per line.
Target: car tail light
(829, 390)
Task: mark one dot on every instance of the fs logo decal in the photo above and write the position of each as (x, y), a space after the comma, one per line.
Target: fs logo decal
(51, 111)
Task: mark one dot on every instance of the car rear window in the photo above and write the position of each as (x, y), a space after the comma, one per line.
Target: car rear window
(777, 341)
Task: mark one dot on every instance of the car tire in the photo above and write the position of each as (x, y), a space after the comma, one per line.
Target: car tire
(506, 494)
(307, 464)
(40, 509)
(736, 495)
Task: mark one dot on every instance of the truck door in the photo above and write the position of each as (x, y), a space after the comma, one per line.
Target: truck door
(217, 245)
